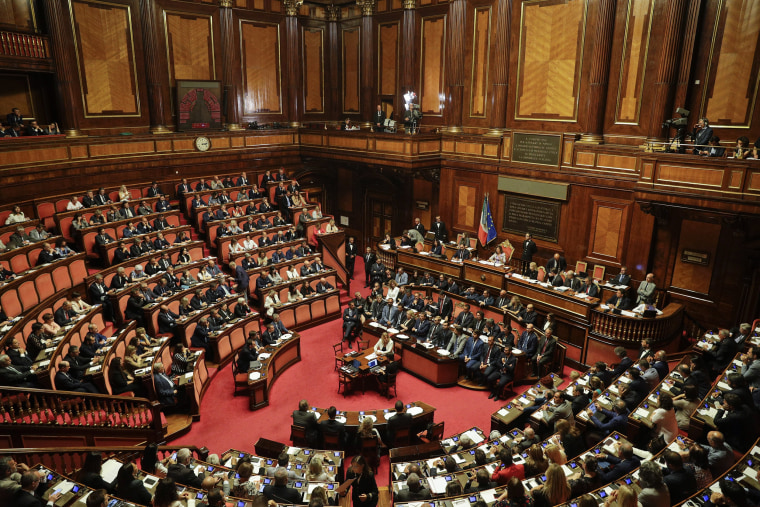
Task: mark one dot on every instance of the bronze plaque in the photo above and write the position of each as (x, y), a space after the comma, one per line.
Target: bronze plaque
(540, 149)
(540, 217)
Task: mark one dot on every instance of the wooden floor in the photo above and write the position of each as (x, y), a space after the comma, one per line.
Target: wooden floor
(470, 384)
(177, 424)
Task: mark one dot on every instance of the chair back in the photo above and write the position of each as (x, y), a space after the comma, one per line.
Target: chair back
(541, 273)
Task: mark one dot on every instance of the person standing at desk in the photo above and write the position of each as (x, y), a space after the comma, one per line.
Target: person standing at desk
(529, 250)
(557, 263)
(361, 481)
(646, 290)
(378, 117)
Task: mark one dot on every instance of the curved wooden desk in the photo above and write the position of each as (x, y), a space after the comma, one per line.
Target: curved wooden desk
(419, 421)
(282, 357)
(427, 364)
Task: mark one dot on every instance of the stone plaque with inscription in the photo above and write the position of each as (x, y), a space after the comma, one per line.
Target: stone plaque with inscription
(540, 217)
(541, 149)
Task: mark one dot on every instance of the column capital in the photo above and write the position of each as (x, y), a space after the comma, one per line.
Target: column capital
(225, 4)
(409, 4)
(367, 6)
(292, 6)
(333, 12)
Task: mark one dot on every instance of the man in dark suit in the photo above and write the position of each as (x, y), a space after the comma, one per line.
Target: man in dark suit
(369, 261)
(620, 301)
(465, 317)
(200, 336)
(414, 490)
(99, 295)
(27, 495)
(505, 373)
(351, 320)
(103, 238)
(528, 342)
(183, 188)
(723, 354)
(65, 382)
(307, 420)
(351, 251)
(557, 263)
(490, 360)
(333, 427)
(439, 228)
(625, 362)
(400, 420)
(572, 282)
(78, 364)
(546, 346)
(181, 471)
(242, 280)
(154, 190)
(591, 288)
(16, 376)
(167, 320)
(280, 492)
(680, 481)
(622, 278)
(482, 482)
(35, 130)
(529, 250)
(165, 389)
(624, 463)
(378, 272)
(14, 118)
(445, 306)
(64, 314)
(419, 227)
(701, 135)
(378, 117)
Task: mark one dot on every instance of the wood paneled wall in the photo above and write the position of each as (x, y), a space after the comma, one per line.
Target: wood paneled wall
(260, 59)
(433, 64)
(106, 59)
(313, 70)
(18, 15)
(351, 65)
(190, 46)
(387, 59)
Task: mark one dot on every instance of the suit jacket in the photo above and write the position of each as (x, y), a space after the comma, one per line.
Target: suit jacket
(622, 303)
(465, 319)
(14, 376)
(546, 349)
(369, 261)
(445, 307)
(621, 279)
(560, 265)
(26, 499)
(378, 117)
(167, 322)
(646, 292)
(282, 494)
(494, 360)
(574, 284)
(182, 474)
(528, 343)
(333, 427)
(164, 390)
(200, 337)
(66, 382)
(702, 138)
(399, 421)
(622, 467)
(622, 366)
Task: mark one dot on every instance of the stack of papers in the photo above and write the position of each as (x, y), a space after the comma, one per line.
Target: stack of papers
(109, 470)
(264, 355)
(438, 486)
(473, 435)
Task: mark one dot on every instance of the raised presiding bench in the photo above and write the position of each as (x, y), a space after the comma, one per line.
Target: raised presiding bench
(278, 358)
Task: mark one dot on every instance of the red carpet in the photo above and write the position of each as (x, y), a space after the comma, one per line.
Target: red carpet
(227, 423)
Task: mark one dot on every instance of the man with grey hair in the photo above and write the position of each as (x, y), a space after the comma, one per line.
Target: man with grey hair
(165, 389)
(65, 382)
(414, 491)
(16, 376)
(182, 472)
(279, 491)
(10, 478)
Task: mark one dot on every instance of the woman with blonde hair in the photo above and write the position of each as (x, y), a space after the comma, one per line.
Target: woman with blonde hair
(384, 345)
(555, 454)
(624, 496)
(554, 491)
(316, 471)
(270, 302)
(367, 430)
(532, 271)
(331, 227)
(319, 495)
(515, 305)
(124, 194)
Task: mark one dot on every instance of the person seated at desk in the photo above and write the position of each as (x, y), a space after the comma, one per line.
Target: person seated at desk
(473, 349)
(421, 328)
(64, 381)
(622, 278)
(527, 315)
(200, 337)
(572, 282)
(619, 301)
(16, 375)
(324, 286)
(481, 368)
(713, 149)
(333, 427)
(528, 342)
(461, 254)
(591, 288)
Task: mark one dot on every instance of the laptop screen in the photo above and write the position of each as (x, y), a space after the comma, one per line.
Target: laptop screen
(372, 363)
(355, 363)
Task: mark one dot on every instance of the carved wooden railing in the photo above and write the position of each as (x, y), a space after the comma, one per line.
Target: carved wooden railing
(631, 330)
(66, 460)
(22, 44)
(76, 418)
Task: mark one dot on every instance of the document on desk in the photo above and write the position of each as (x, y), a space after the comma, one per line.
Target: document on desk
(438, 485)
(708, 412)
(474, 436)
(292, 451)
(110, 469)
(538, 415)
(460, 502)
(371, 356)
(583, 415)
(489, 495)
(723, 386)
(458, 458)
(264, 355)
(503, 412)
(524, 400)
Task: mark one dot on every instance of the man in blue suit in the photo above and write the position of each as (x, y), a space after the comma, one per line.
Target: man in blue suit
(528, 342)
(473, 348)
(200, 339)
(624, 463)
(242, 280)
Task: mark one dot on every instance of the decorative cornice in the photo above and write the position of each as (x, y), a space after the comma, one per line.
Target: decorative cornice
(409, 4)
(333, 12)
(292, 6)
(367, 6)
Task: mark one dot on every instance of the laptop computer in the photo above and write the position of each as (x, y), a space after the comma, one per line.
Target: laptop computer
(372, 363)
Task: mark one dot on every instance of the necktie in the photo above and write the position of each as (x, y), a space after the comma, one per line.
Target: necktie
(617, 303)
(543, 349)
(488, 356)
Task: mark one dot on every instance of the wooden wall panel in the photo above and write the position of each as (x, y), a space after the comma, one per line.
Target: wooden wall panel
(16, 92)
(465, 205)
(481, 45)
(433, 65)
(609, 228)
(18, 15)
(106, 58)
(260, 59)
(189, 46)
(638, 29)
(550, 58)
(313, 70)
(702, 237)
(732, 78)
(351, 66)
(387, 62)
